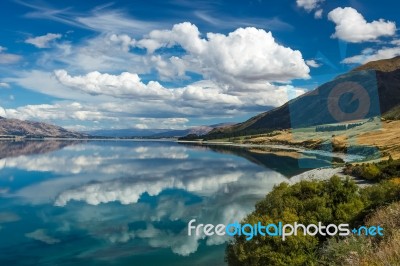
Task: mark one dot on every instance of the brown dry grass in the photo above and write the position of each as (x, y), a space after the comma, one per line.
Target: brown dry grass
(387, 139)
(386, 252)
(395, 180)
(383, 135)
(291, 154)
(371, 251)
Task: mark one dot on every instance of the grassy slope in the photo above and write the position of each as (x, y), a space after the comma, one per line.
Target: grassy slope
(393, 114)
(306, 110)
(384, 135)
(384, 65)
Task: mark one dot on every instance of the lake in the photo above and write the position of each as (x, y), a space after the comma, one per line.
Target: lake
(128, 202)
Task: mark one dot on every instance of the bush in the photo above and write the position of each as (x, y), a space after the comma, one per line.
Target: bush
(343, 251)
(333, 201)
(375, 171)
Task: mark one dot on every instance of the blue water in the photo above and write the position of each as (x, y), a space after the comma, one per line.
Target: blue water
(125, 202)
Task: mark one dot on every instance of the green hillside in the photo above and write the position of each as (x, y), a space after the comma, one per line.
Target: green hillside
(380, 79)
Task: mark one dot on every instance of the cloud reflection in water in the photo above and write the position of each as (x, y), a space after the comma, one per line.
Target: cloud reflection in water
(140, 192)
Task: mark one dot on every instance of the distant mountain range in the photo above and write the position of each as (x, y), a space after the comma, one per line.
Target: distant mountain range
(125, 132)
(30, 129)
(379, 79)
(154, 133)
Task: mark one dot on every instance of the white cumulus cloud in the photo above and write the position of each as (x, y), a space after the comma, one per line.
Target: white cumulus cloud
(195, 95)
(124, 85)
(351, 26)
(246, 54)
(107, 76)
(370, 54)
(308, 5)
(318, 13)
(2, 114)
(124, 40)
(128, 85)
(44, 40)
(185, 34)
(312, 63)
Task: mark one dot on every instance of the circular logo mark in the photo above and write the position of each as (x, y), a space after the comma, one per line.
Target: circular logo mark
(358, 92)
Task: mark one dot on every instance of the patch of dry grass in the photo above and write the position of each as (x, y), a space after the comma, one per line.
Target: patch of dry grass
(395, 180)
(387, 139)
(386, 251)
(386, 254)
(370, 251)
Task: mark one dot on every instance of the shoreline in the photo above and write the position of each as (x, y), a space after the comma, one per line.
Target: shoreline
(326, 173)
(323, 173)
(347, 158)
(344, 156)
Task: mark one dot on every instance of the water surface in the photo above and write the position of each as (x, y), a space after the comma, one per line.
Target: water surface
(127, 202)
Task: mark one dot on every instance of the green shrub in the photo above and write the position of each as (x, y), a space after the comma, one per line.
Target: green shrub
(375, 171)
(333, 201)
(344, 251)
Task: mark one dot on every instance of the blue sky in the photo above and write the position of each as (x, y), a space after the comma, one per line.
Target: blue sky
(175, 64)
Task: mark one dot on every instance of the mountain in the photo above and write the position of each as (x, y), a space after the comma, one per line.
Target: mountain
(16, 127)
(154, 133)
(375, 85)
(126, 132)
(199, 130)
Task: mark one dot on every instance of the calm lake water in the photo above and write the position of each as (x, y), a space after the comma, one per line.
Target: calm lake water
(128, 202)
